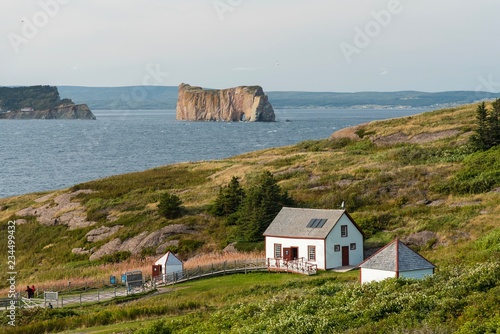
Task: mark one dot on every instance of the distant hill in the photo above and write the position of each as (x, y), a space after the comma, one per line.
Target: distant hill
(165, 97)
(123, 98)
(33, 97)
(410, 99)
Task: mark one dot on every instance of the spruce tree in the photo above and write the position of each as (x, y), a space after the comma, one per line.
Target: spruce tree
(170, 206)
(494, 124)
(229, 199)
(480, 139)
(263, 202)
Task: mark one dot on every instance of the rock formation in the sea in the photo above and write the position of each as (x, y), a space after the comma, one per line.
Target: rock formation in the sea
(244, 103)
(70, 111)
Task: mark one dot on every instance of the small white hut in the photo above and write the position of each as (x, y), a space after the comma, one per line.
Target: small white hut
(395, 260)
(168, 265)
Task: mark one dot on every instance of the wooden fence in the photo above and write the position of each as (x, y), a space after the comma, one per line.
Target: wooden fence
(67, 296)
(215, 269)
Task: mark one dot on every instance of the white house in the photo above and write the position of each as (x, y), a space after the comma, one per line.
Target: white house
(395, 260)
(326, 238)
(167, 265)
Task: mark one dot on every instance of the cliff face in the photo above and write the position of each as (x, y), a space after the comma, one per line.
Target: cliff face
(244, 103)
(78, 111)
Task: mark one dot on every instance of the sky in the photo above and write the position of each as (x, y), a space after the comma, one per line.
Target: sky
(282, 45)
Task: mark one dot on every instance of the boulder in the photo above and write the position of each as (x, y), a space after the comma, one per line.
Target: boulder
(421, 239)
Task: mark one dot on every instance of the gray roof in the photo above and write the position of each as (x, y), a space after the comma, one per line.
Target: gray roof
(396, 256)
(292, 222)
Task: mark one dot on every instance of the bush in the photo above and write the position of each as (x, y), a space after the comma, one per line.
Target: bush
(170, 206)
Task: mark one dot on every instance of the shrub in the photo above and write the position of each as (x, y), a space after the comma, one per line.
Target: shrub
(170, 206)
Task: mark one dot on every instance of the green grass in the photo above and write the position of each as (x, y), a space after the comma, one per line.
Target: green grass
(458, 298)
(387, 189)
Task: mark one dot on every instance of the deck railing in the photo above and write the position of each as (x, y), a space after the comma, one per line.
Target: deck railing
(300, 266)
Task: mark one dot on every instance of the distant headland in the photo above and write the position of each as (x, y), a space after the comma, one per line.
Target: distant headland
(243, 103)
(39, 102)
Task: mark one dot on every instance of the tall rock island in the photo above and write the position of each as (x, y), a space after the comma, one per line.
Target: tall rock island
(243, 103)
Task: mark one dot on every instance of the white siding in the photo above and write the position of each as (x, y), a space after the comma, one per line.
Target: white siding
(417, 274)
(301, 244)
(334, 259)
(370, 275)
(169, 268)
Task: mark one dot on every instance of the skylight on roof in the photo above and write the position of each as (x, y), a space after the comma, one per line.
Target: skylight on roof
(316, 223)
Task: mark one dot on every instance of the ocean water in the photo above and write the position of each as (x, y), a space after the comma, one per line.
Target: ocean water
(39, 155)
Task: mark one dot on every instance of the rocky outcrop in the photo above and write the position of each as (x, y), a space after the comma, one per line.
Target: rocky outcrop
(244, 103)
(59, 210)
(102, 233)
(70, 111)
(143, 240)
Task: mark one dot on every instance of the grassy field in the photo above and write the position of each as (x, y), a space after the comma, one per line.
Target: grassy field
(392, 188)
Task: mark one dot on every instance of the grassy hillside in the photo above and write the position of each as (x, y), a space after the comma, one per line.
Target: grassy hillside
(414, 177)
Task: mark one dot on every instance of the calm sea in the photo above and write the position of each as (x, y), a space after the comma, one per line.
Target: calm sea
(39, 155)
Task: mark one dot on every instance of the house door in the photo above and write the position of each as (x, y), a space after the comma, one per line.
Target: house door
(287, 254)
(295, 253)
(345, 255)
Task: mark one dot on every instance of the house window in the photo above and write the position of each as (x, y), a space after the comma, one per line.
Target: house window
(353, 246)
(343, 231)
(277, 251)
(336, 248)
(311, 253)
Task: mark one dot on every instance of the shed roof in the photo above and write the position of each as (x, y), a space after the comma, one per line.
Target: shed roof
(398, 257)
(169, 259)
(298, 223)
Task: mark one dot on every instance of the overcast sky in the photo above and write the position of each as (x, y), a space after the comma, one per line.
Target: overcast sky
(315, 45)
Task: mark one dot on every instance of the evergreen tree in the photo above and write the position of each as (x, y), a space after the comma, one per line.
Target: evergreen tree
(488, 127)
(480, 139)
(494, 124)
(170, 206)
(263, 202)
(229, 199)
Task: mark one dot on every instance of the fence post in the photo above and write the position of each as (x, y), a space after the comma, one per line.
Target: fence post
(80, 299)
(98, 295)
(62, 302)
